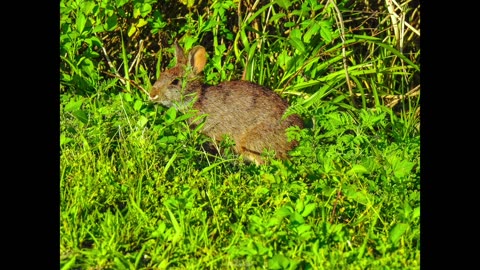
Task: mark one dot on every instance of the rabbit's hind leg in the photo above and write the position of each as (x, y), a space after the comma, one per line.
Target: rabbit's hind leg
(258, 139)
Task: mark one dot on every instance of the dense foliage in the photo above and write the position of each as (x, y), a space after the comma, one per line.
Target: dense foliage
(138, 191)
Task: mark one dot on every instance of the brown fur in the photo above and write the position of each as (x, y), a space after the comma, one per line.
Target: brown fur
(249, 113)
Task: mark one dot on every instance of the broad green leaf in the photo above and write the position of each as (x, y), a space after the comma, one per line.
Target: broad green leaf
(81, 21)
(297, 44)
(416, 212)
(188, 3)
(297, 218)
(131, 30)
(120, 3)
(308, 209)
(159, 231)
(357, 169)
(311, 31)
(111, 23)
(141, 23)
(145, 9)
(299, 204)
(278, 261)
(73, 105)
(81, 115)
(276, 17)
(284, 211)
(397, 231)
(268, 177)
(64, 139)
(142, 121)
(167, 140)
(283, 60)
(303, 228)
(170, 115)
(285, 4)
(326, 34)
(87, 7)
(274, 221)
(137, 105)
(163, 264)
(261, 190)
(100, 28)
(403, 168)
(358, 196)
(128, 97)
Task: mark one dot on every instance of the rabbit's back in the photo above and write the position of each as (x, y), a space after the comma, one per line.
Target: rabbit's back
(250, 114)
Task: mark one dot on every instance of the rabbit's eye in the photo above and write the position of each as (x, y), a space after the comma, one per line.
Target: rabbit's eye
(176, 82)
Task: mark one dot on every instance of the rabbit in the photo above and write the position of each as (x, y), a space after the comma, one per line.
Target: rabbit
(248, 113)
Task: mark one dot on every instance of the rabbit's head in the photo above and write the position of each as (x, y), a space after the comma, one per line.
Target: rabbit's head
(174, 83)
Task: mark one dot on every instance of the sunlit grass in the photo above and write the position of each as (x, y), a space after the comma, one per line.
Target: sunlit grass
(139, 190)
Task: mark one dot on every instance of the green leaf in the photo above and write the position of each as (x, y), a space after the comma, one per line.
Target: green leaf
(300, 203)
(284, 211)
(188, 3)
(361, 196)
(303, 228)
(145, 9)
(176, 225)
(261, 190)
(120, 3)
(170, 115)
(131, 30)
(81, 115)
(69, 264)
(137, 105)
(311, 31)
(81, 22)
(141, 23)
(308, 209)
(274, 221)
(99, 28)
(297, 44)
(64, 139)
(403, 168)
(73, 105)
(142, 121)
(159, 231)
(416, 212)
(136, 12)
(276, 17)
(326, 31)
(283, 60)
(165, 140)
(278, 261)
(397, 231)
(87, 7)
(297, 218)
(357, 169)
(128, 97)
(285, 4)
(111, 23)
(163, 264)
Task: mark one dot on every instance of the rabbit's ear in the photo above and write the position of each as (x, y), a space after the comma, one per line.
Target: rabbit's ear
(181, 60)
(197, 58)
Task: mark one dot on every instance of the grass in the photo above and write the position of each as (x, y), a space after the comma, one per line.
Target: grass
(138, 190)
